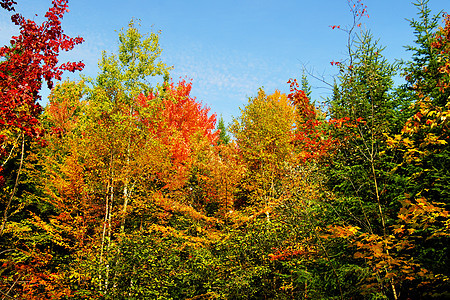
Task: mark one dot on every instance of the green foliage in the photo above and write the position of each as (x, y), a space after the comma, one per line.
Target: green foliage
(130, 72)
(423, 144)
(137, 195)
(362, 108)
(224, 138)
(305, 85)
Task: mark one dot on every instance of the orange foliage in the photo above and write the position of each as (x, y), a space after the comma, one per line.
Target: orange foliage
(179, 120)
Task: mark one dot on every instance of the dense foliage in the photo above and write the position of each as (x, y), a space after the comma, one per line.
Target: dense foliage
(119, 189)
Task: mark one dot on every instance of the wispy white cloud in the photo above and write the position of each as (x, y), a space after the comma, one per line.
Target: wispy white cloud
(225, 78)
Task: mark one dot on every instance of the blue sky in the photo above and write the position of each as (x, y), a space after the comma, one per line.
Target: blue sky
(231, 48)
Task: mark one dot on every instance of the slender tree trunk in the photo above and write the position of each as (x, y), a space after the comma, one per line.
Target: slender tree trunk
(12, 150)
(105, 221)
(10, 289)
(108, 246)
(377, 194)
(106, 232)
(383, 223)
(126, 188)
(341, 293)
(16, 183)
(126, 196)
(227, 211)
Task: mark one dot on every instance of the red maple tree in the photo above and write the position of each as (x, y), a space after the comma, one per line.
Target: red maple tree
(179, 119)
(31, 58)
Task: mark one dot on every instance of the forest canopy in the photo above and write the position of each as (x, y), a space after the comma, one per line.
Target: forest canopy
(125, 186)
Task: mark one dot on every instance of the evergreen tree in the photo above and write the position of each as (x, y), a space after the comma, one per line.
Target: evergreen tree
(224, 138)
(363, 107)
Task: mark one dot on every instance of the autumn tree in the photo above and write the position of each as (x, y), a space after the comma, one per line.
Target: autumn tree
(31, 58)
(128, 159)
(368, 173)
(115, 139)
(363, 191)
(423, 144)
(427, 91)
(263, 135)
(270, 240)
